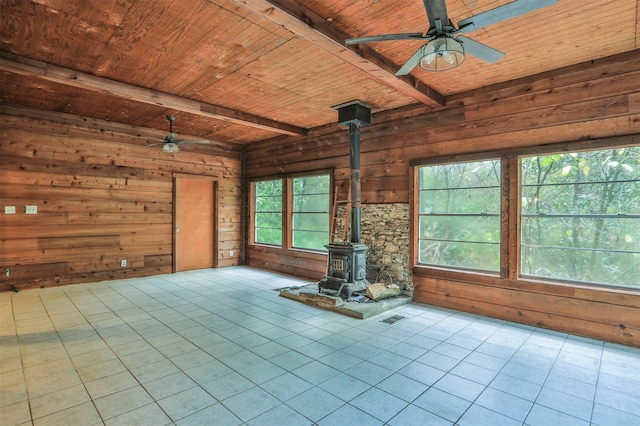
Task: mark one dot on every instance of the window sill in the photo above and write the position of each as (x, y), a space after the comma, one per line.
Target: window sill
(529, 284)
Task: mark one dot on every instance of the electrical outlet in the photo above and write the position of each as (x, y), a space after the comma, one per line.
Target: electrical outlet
(7, 272)
(31, 209)
(123, 263)
(9, 209)
(231, 253)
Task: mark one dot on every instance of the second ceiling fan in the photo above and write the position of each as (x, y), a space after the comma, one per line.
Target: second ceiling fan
(171, 143)
(444, 51)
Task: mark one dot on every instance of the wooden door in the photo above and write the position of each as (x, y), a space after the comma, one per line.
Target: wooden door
(194, 230)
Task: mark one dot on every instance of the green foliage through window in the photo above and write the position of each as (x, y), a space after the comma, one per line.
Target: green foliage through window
(310, 212)
(308, 206)
(268, 212)
(459, 215)
(580, 215)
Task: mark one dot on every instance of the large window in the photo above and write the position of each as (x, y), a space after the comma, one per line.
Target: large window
(459, 215)
(267, 213)
(569, 217)
(307, 205)
(310, 212)
(580, 216)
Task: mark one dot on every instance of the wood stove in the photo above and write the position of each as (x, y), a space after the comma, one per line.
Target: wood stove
(347, 268)
(348, 260)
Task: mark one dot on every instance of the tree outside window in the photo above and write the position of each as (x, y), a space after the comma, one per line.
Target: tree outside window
(268, 212)
(310, 212)
(308, 206)
(459, 215)
(580, 216)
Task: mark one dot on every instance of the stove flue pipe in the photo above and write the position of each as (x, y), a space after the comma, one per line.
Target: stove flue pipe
(354, 164)
(354, 114)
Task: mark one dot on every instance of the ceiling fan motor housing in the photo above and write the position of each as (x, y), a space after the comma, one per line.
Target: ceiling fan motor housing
(441, 54)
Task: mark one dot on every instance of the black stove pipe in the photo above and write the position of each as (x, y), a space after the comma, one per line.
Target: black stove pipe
(354, 163)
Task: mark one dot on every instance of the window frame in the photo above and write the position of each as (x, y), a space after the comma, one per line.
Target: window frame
(582, 215)
(287, 209)
(419, 215)
(510, 247)
(293, 212)
(253, 228)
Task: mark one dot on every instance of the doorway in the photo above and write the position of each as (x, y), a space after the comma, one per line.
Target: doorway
(194, 234)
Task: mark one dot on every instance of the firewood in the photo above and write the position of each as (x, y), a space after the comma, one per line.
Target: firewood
(378, 291)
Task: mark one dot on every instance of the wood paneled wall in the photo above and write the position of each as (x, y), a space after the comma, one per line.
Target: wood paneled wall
(586, 102)
(103, 195)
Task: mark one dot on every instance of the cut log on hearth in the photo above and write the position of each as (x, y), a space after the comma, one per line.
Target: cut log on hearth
(378, 291)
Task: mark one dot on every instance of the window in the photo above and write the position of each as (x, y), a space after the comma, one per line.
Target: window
(307, 205)
(580, 216)
(268, 212)
(574, 215)
(310, 212)
(459, 215)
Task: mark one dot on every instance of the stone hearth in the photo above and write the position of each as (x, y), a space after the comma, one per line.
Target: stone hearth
(310, 296)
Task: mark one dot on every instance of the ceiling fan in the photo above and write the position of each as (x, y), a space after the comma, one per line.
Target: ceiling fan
(442, 51)
(171, 143)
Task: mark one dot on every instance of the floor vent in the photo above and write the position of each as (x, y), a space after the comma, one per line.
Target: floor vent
(394, 319)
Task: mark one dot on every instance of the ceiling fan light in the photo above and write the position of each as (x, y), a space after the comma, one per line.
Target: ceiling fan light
(170, 147)
(428, 59)
(450, 58)
(441, 54)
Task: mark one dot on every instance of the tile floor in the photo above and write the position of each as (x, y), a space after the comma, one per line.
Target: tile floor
(221, 347)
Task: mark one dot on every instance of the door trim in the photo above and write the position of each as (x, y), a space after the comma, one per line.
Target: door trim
(214, 219)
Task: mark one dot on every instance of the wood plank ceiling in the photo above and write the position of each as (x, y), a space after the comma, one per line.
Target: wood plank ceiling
(240, 71)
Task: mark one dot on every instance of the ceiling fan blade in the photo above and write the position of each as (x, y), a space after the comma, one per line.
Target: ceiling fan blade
(385, 37)
(411, 63)
(197, 141)
(436, 9)
(479, 50)
(501, 13)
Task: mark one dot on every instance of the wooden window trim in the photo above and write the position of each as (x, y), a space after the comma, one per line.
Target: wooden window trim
(287, 215)
(287, 210)
(509, 275)
(415, 191)
(252, 211)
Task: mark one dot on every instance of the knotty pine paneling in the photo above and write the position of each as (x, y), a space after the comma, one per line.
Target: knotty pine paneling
(102, 196)
(592, 104)
(292, 262)
(604, 316)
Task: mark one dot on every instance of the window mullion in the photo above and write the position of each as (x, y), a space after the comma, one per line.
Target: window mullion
(287, 217)
(510, 229)
(253, 214)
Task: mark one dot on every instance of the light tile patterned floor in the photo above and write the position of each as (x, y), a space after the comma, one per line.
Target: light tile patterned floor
(221, 347)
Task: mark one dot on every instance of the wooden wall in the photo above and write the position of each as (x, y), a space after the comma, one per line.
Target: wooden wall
(598, 101)
(103, 195)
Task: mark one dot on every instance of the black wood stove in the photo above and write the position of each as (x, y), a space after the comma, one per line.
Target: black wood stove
(347, 269)
(348, 260)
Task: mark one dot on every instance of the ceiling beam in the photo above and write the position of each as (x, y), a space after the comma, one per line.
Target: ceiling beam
(310, 26)
(28, 67)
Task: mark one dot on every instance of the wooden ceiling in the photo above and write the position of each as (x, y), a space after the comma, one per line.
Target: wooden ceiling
(240, 71)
